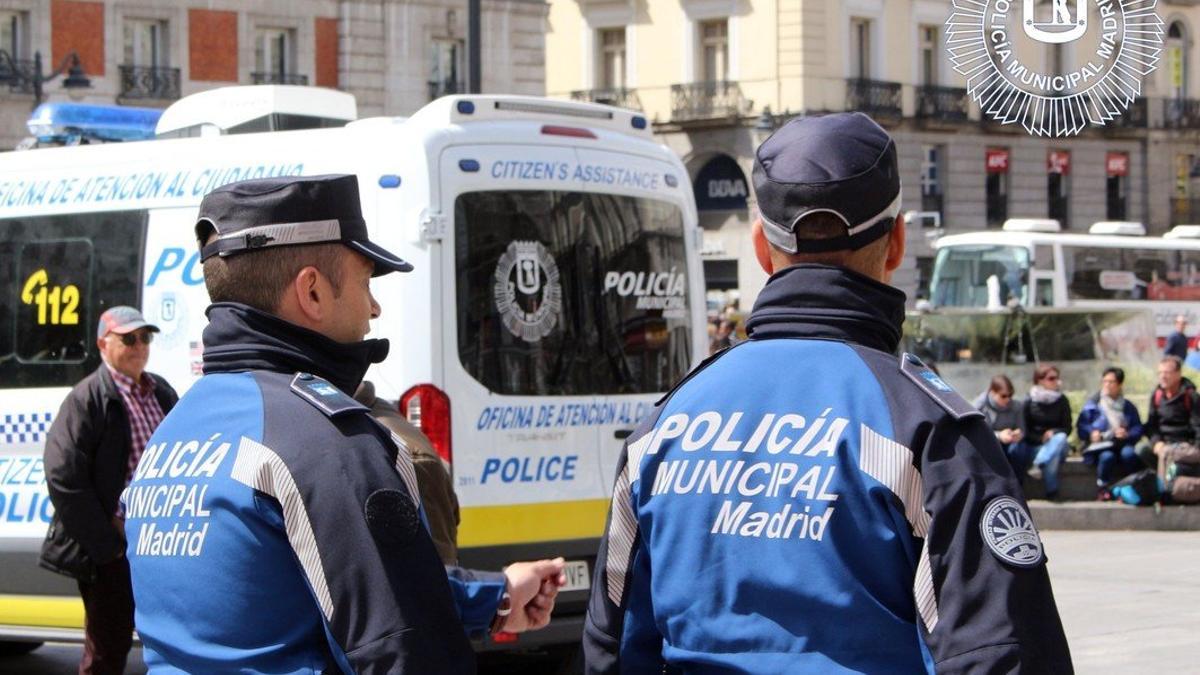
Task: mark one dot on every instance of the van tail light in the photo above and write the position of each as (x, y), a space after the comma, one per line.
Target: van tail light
(428, 409)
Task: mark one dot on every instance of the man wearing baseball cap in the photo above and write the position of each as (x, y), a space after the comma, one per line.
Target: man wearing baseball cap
(806, 501)
(91, 451)
(274, 525)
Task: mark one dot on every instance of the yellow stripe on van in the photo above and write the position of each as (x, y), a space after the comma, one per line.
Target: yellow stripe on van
(531, 523)
(39, 610)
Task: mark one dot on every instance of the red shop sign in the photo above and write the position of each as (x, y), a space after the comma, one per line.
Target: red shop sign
(1058, 161)
(1117, 164)
(997, 160)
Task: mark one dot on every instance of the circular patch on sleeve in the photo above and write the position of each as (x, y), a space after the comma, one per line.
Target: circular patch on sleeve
(1008, 531)
(392, 517)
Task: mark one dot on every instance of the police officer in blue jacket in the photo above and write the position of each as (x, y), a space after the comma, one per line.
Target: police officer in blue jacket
(806, 501)
(273, 525)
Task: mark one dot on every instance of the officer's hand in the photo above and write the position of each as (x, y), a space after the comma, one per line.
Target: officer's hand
(532, 587)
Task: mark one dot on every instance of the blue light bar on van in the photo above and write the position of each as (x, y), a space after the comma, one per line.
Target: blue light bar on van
(468, 165)
(638, 122)
(389, 180)
(64, 122)
(466, 108)
(671, 180)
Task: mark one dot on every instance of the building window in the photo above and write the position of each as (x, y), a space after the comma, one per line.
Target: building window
(1117, 185)
(931, 177)
(13, 34)
(275, 57)
(1176, 61)
(714, 48)
(929, 55)
(1058, 186)
(146, 43)
(446, 68)
(860, 48)
(996, 166)
(612, 58)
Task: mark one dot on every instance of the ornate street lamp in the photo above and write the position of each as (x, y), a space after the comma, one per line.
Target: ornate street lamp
(13, 73)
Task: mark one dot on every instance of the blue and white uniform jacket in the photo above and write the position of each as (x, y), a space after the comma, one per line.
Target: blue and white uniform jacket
(807, 502)
(274, 527)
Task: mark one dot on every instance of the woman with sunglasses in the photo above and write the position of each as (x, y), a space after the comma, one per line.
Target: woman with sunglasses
(1004, 415)
(1047, 414)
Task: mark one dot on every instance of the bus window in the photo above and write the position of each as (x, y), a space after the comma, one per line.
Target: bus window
(1089, 273)
(59, 274)
(961, 273)
(1043, 257)
(1043, 294)
(1156, 272)
(571, 293)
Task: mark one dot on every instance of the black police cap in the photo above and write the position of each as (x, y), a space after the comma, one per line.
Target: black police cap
(842, 164)
(251, 215)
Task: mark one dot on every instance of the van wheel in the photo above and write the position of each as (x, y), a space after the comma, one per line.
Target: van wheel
(17, 648)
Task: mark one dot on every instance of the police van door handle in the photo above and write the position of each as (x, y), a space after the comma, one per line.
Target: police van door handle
(622, 434)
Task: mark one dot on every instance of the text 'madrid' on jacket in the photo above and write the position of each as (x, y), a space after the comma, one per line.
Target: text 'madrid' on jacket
(808, 502)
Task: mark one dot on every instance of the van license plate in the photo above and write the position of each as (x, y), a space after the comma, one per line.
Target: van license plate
(578, 578)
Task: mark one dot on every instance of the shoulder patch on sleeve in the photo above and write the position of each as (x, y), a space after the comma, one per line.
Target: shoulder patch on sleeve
(931, 383)
(324, 396)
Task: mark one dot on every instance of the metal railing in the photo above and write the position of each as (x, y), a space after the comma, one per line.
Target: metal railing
(1137, 116)
(18, 74)
(440, 88)
(149, 82)
(874, 97)
(619, 97)
(942, 104)
(706, 100)
(279, 78)
(1181, 113)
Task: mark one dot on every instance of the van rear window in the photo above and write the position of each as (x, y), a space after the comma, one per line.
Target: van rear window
(57, 275)
(563, 293)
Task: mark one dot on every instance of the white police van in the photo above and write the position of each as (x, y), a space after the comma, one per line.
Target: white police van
(557, 293)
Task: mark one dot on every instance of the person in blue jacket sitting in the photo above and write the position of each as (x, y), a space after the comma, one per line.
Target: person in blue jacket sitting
(1112, 427)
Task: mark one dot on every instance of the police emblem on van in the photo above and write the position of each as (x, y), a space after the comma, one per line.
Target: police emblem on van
(527, 290)
(1008, 531)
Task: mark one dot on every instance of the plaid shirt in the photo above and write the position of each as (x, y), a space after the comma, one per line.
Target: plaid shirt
(143, 411)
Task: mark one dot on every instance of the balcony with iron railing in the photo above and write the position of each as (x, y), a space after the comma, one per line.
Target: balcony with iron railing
(707, 100)
(874, 97)
(149, 82)
(1137, 116)
(278, 78)
(619, 97)
(440, 88)
(1181, 113)
(18, 74)
(942, 104)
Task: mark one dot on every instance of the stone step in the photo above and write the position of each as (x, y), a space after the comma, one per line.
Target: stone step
(1077, 482)
(1112, 516)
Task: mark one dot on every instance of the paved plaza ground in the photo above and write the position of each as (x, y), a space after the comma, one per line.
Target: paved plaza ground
(1129, 600)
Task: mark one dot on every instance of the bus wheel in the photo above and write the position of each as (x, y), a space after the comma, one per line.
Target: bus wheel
(17, 648)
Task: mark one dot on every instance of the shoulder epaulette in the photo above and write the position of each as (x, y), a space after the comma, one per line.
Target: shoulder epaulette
(324, 396)
(931, 383)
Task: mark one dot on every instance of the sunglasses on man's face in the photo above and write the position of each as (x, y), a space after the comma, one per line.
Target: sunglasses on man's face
(130, 339)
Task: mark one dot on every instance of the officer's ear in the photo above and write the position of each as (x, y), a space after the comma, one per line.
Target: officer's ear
(762, 248)
(895, 251)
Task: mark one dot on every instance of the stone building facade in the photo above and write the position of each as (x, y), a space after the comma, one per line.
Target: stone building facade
(716, 76)
(394, 55)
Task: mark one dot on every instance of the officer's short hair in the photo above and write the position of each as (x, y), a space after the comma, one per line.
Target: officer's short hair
(259, 280)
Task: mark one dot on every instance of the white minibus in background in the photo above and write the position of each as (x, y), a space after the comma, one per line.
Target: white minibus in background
(1033, 263)
(557, 293)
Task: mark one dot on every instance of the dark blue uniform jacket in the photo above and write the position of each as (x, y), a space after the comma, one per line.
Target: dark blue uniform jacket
(274, 526)
(807, 502)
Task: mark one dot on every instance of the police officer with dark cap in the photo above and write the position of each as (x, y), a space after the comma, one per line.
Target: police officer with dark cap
(273, 524)
(806, 501)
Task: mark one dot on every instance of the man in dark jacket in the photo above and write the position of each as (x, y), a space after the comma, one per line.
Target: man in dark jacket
(1174, 415)
(286, 516)
(1177, 341)
(433, 477)
(91, 451)
(805, 501)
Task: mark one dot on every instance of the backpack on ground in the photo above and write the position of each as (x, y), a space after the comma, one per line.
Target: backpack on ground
(1183, 483)
(1141, 488)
